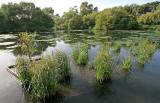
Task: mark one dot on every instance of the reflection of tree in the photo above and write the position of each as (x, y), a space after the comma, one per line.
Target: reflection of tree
(40, 47)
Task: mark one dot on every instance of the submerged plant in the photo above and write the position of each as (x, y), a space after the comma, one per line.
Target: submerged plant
(104, 65)
(127, 63)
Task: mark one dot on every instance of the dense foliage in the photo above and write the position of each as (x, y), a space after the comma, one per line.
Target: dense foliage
(24, 17)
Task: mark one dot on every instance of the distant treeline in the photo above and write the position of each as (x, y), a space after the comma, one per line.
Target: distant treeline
(26, 16)
(128, 17)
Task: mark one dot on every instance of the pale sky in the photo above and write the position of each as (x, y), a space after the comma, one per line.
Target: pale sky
(61, 6)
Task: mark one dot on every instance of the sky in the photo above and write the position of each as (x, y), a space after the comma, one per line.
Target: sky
(61, 6)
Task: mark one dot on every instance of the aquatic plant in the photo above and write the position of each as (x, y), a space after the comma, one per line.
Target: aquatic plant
(44, 81)
(23, 71)
(128, 44)
(62, 62)
(75, 52)
(91, 64)
(144, 49)
(104, 64)
(117, 46)
(127, 63)
(80, 54)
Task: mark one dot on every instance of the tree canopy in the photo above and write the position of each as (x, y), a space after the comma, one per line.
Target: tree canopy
(24, 16)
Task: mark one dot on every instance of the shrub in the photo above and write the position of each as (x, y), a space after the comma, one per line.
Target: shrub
(104, 65)
(127, 63)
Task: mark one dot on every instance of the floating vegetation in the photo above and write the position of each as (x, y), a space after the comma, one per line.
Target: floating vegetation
(127, 63)
(80, 54)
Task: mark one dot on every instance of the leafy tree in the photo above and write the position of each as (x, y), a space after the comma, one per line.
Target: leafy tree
(89, 20)
(151, 18)
(87, 8)
(27, 43)
(115, 18)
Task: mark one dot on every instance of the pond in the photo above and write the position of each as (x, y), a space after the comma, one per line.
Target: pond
(141, 85)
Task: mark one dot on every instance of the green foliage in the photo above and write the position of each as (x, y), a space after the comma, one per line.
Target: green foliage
(127, 63)
(89, 20)
(63, 64)
(150, 18)
(129, 43)
(40, 78)
(115, 18)
(80, 54)
(117, 46)
(24, 17)
(104, 65)
(86, 8)
(144, 50)
(44, 82)
(24, 72)
(27, 43)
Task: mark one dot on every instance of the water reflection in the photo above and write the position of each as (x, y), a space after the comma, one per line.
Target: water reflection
(83, 87)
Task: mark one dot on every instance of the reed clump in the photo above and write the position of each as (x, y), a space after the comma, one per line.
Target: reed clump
(104, 64)
(127, 63)
(80, 54)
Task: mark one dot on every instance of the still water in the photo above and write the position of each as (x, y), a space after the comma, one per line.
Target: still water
(141, 85)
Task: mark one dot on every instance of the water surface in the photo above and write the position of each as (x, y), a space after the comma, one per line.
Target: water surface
(141, 85)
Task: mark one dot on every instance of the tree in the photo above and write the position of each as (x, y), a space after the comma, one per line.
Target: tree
(25, 16)
(115, 18)
(89, 20)
(86, 8)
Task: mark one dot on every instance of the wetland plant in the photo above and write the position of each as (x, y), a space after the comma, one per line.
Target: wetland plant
(104, 65)
(23, 71)
(80, 54)
(117, 46)
(144, 50)
(44, 81)
(127, 63)
(129, 43)
(63, 64)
